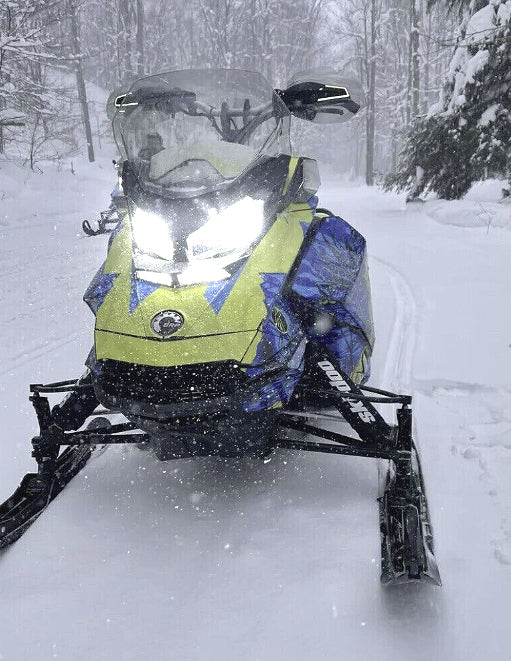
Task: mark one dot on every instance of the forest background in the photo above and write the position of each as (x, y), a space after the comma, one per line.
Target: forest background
(422, 63)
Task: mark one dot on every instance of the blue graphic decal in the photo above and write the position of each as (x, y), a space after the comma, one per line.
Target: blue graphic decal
(278, 390)
(217, 292)
(313, 202)
(347, 345)
(272, 339)
(333, 278)
(96, 292)
(331, 263)
(278, 348)
(271, 284)
(139, 291)
(305, 226)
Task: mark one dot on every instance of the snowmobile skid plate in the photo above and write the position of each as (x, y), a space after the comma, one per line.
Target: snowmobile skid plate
(405, 527)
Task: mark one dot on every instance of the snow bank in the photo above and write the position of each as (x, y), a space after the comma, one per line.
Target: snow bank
(504, 12)
(479, 208)
(29, 195)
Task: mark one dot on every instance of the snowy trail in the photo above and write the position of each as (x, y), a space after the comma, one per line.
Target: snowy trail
(206, 559)
(400, 343)
(203, 520)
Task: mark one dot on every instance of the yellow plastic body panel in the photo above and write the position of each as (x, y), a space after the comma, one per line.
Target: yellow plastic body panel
(189, 351)
(205, 336)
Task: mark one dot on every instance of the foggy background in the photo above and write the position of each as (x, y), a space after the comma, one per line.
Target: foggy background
(398, 49)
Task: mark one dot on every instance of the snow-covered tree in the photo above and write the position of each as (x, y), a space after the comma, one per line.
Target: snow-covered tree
(397, 48)
(25, 47)
(36, 91)
(411, 55)
(466, 136)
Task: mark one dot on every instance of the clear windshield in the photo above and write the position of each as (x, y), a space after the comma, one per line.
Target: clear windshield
(189, 132)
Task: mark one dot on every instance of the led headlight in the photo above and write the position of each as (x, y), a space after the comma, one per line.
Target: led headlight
(230, 231)
(152, 234)
(225, 238)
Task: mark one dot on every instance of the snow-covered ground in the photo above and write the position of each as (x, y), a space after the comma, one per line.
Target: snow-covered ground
(210, 559)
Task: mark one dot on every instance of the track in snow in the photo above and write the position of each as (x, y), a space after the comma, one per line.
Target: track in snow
(397, 373)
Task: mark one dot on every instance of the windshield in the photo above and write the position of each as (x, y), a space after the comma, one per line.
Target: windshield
(186, 133)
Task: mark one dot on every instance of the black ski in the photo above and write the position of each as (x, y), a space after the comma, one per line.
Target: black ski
(36, 492)
(88, 229)
(407, 551)
(109, 217)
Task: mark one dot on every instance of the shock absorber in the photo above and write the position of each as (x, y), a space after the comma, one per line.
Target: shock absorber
(76, 407)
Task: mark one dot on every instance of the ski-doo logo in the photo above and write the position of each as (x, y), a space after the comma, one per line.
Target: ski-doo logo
(336, 381)
(167, 322)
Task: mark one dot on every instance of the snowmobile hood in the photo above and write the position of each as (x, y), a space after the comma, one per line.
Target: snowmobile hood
(160, 319)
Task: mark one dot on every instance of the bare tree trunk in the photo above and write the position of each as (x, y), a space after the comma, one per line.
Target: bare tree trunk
(415, 58)
(394, 149)
(125, 16)
(426, 94)
(370, 131)
(80, 83)
(413, 64)
(33, 140)
(140, 38)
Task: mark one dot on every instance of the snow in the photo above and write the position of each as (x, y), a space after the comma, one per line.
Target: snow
(208, 559)
(458, 98)
(476, 64)
(457, 61)
(479, 208)
(504, 12)
(481, 23)
(463, 68)
(489, 115)
(436, 107)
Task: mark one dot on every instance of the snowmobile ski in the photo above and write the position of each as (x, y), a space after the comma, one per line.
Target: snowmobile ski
(407, 552)
(89, 230)
(35, 493)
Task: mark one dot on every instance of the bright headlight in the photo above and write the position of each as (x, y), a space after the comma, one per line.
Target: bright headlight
(152, 234)
(222, 240)
(231, 230)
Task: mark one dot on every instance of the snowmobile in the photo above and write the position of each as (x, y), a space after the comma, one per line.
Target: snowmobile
(232, 314)
(108, 219)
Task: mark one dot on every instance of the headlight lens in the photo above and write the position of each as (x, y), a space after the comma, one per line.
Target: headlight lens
(225, 238)
(231, 230)
(152, 234)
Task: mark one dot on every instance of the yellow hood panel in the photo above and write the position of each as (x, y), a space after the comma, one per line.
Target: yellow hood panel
(210, 336)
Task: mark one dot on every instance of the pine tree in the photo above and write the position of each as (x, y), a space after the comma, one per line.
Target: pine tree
(466, 135)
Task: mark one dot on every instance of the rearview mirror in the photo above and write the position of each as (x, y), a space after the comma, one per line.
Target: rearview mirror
(111, 105)
(322, 96)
